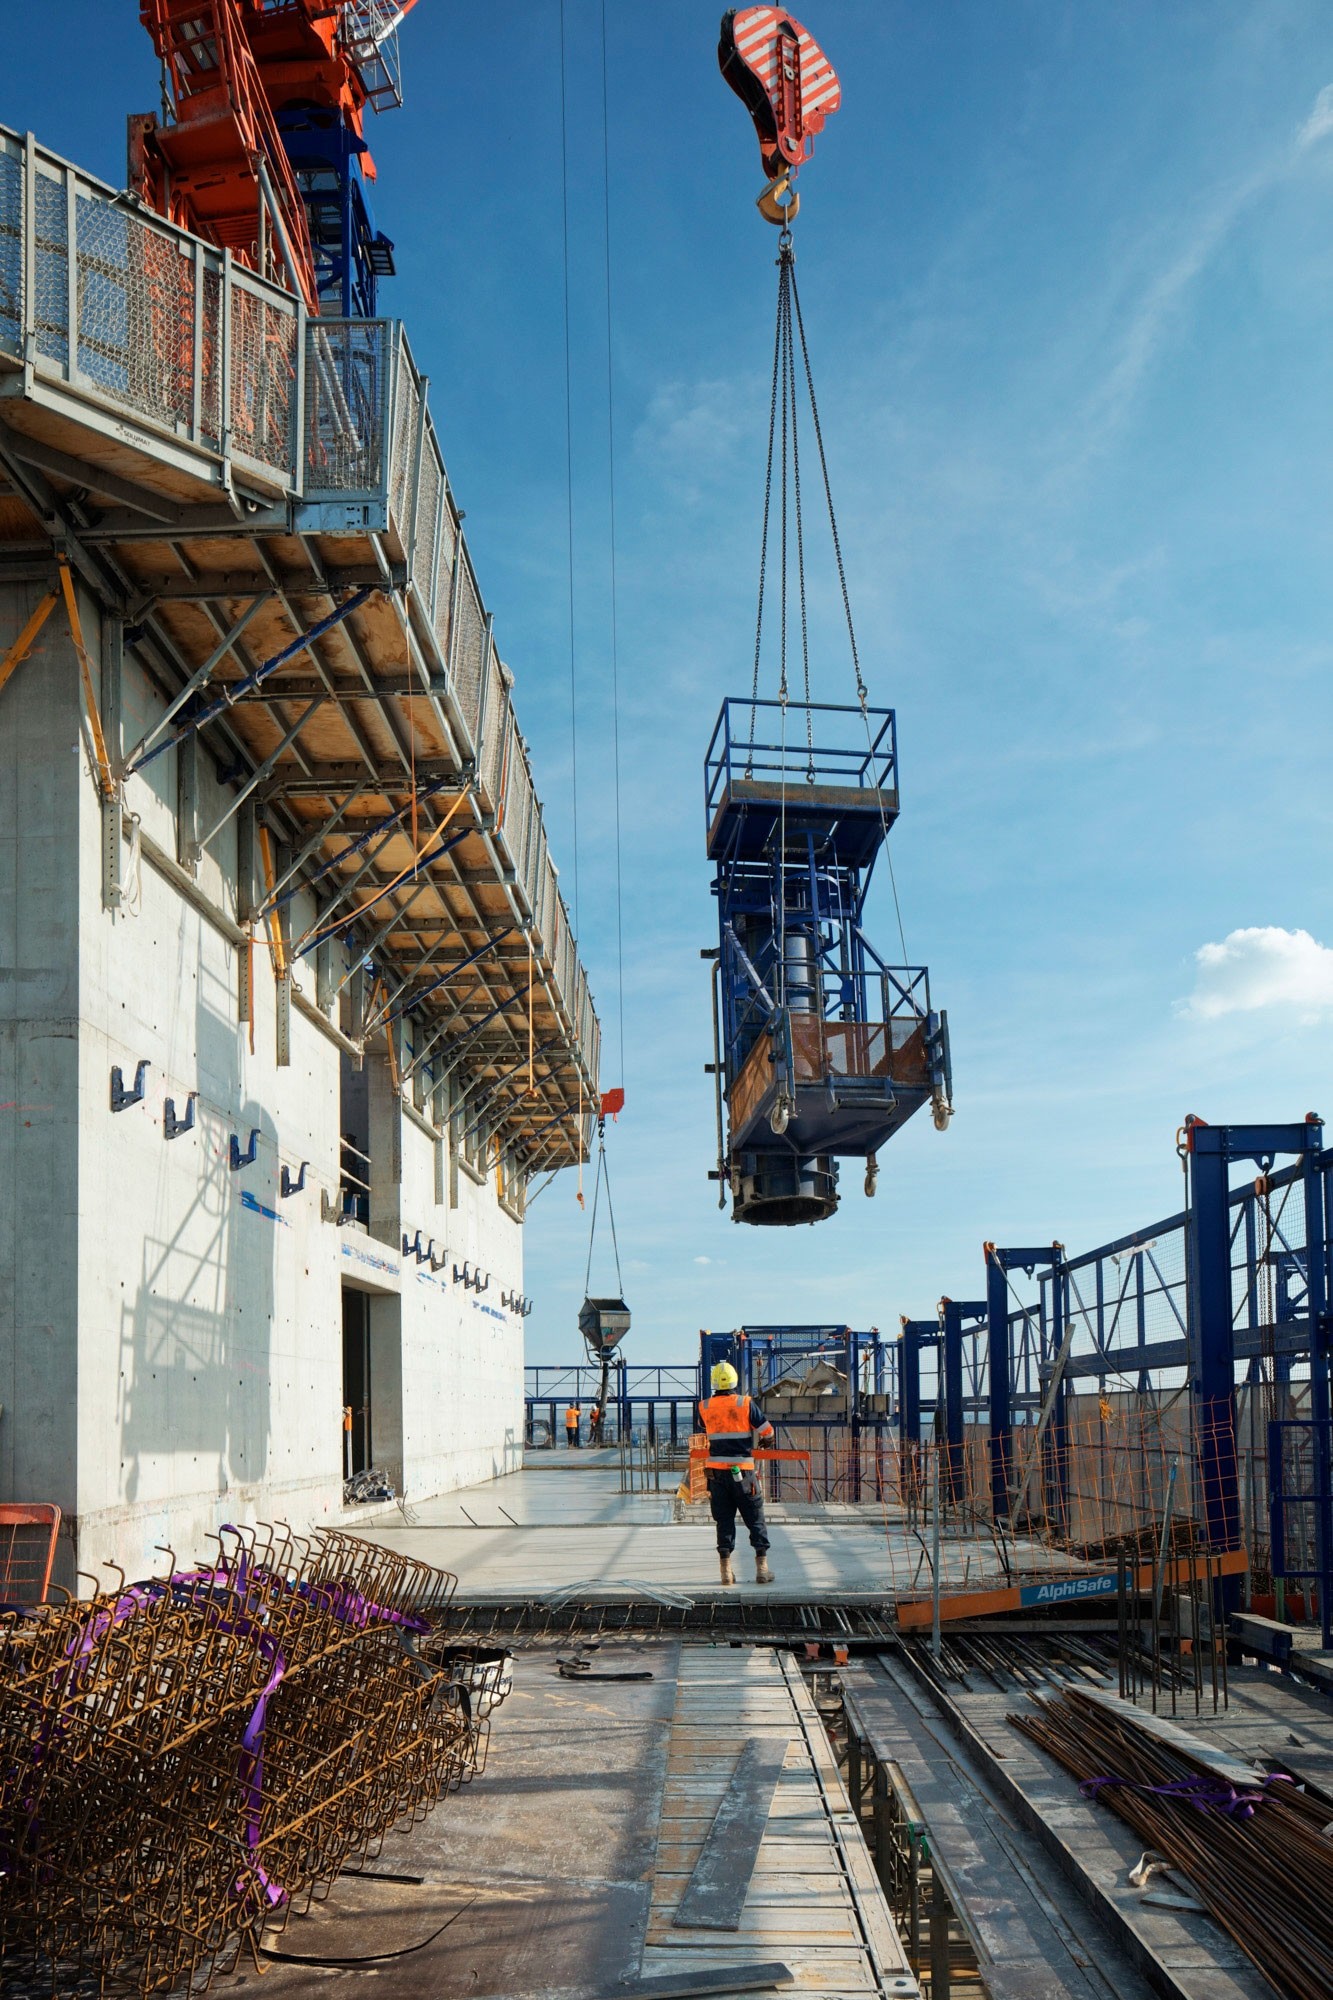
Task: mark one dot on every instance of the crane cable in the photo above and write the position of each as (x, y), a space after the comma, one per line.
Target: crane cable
(784, 435)
(611, 487)
(569, 471)
(602, 1175)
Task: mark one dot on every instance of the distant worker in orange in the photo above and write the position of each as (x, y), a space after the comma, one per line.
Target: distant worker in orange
(595, 1424)
(732, 1424)
(572, 1426)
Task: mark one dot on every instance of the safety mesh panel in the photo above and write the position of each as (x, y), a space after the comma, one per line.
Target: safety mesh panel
(467, 652)
(592, 1041)
(263, 378)
(565, 971)
(51, 283)
(494, 717)
(518, 805)
(429, 489)
(136, 318)
(11, 252)
(406, 414)
(345, 399)
(444, 579)
(533, 859)
(550, 915)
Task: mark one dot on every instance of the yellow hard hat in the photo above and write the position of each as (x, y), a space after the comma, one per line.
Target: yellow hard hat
(724, 1376)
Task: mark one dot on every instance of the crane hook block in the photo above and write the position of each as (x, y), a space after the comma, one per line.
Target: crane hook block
(783, 78)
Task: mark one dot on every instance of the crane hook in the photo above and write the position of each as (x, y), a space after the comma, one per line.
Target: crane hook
(776, 211)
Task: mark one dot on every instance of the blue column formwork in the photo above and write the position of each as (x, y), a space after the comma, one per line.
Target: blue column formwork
(1210, 1151)
(996, 1312)
(915, 1332)
(953, 1312)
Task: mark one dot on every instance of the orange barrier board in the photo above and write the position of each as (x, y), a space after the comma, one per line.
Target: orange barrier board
(916, 1612)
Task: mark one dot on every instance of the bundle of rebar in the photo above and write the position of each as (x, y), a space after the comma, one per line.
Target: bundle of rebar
(186, 1760)
(1253, 1846)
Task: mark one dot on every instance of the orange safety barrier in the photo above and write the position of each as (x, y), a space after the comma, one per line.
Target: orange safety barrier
(28, 1533)
(1059, 1589)
(694, 1486)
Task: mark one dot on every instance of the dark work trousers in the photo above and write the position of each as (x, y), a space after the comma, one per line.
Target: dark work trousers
(571, 1437)
(728, 1496)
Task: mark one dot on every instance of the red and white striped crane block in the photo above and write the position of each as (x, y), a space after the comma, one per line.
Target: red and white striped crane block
(784, 79)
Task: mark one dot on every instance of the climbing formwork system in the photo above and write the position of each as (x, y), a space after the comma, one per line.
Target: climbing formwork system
(255, 498)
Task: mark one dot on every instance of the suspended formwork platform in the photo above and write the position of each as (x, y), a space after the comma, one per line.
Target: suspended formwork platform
(255, 500)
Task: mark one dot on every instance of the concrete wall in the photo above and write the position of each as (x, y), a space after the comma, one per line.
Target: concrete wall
(171, 1330)
(41, 779)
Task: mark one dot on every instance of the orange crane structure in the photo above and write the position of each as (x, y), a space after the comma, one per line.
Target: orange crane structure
(261, 149)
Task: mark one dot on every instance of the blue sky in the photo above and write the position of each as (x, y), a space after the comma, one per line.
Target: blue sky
(1067, 272)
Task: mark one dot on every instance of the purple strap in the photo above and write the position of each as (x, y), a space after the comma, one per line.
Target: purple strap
(1205, 1794)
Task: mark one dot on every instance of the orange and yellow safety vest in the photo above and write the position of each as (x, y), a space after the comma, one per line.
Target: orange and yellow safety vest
(729, 1422)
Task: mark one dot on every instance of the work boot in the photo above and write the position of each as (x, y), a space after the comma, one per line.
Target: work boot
(726, 1572)
(762, 1572)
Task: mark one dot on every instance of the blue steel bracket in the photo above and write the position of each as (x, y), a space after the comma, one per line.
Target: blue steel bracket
(236, 1159)
(481, 1283)
(287, 1186)
(121, 1099)
(172, 1126)
(953, 1314)
(1209, 1150)
(915, 1335)
(412, 1245)
(437, 1263)
(463, 1277)
(999, 1262)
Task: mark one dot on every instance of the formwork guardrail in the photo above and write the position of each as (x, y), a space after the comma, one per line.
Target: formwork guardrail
(114, 316)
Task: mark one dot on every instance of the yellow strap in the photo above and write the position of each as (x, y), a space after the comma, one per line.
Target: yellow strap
(18, 652)
(277, 948)
(341, 923)
(106, 783)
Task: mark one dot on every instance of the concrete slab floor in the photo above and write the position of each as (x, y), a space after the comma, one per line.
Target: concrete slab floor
(498, 1540)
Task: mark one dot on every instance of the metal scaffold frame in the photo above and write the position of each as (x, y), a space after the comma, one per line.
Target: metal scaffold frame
(255, 500)
(1178, 1372)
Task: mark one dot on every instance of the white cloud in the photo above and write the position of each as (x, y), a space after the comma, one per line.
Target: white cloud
(1263, 966)
(692, 430)
(1320, 122)
(703, 1260)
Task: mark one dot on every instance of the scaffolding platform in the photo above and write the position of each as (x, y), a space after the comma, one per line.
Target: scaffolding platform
(256, 500)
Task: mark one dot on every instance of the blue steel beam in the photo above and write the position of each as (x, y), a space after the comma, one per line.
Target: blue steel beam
(1210, 1151)
(999, 1262)
(953, 1312)
(913, 1337)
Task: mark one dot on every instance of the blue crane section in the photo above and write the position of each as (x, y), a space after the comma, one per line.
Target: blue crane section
(824, 1049)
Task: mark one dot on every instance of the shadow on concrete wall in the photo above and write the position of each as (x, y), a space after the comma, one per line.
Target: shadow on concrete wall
(197, 1337)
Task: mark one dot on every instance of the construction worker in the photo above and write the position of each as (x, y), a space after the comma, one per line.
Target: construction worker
(595, 1424)
(732, 1424)
(572, 1427)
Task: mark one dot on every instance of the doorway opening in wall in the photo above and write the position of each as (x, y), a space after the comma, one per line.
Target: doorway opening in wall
(357, 1435)
(372, 1395)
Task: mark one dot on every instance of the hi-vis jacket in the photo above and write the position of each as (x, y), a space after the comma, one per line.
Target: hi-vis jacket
(572, 1417)
(733, 1423)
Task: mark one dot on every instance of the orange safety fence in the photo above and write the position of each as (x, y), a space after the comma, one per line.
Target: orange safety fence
(694, 1486)
(28, 1531)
